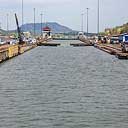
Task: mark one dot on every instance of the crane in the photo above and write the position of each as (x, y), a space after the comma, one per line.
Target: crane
(20, 35)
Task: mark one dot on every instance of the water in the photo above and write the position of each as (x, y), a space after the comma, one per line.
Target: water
(64, 87)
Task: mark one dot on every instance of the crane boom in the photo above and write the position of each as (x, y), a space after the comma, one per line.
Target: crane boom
(19, 31)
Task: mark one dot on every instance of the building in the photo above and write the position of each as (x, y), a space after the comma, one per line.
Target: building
(46, 32)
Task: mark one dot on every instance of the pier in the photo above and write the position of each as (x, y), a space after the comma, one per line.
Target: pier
(80, 44)
(112, 49)
(48, 44)
(10, 51)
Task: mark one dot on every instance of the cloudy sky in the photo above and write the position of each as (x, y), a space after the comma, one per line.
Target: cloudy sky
(66, 12)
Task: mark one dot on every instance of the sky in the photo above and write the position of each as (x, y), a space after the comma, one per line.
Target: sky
(65, 12)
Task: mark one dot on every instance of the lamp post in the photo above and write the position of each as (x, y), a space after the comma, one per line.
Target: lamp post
(0, 25)
(82, 18)
(87, 21)
(41, 23)
(22, 13)
(34, 22)
(98, 17)
(7, 23)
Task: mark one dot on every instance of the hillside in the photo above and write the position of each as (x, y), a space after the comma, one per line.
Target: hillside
(3, 32)
(117, 30)
(55, 27)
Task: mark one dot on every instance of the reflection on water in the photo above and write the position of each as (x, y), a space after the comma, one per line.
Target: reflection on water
(64, 87)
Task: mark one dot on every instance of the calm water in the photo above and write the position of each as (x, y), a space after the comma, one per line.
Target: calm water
(64, 87)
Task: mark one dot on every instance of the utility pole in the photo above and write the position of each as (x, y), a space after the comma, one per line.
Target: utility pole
(41, 23)
(87, 21)
(22, 13)
(82, 18)
(98, 17)
(7, 23)
(34, 27)
(0, 25)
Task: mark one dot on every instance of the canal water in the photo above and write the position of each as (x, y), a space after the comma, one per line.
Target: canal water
(64, 87)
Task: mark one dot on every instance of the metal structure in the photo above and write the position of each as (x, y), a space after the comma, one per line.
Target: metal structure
(0, 25)
(7, 24)
(22, 12)
(82, 22)
(34, 27)
(87, 21)
(20, 35)
(41, 23)
(98, 17)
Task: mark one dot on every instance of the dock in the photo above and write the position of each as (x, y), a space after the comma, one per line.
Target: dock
(80, 44)
(49, 44)
(84, 42)
(10, 51)
(113, 49)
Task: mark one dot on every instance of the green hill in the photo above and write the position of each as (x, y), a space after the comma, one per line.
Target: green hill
(117, 30)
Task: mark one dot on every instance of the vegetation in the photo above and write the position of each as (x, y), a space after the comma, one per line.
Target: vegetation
(117, 30)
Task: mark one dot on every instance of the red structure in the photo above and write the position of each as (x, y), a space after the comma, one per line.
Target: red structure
(46, 32)
(46, 29)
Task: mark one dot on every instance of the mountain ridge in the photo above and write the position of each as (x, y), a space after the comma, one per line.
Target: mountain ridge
(55, 27)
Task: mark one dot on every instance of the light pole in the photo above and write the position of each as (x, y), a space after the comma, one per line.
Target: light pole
(22, 13)
(87, 21)
(34, 22)
(82, 18)
(41, 23)
(98, 17)
(0, 25)
(7, 23)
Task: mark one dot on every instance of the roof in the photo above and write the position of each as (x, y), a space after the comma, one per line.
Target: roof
(46, 28)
